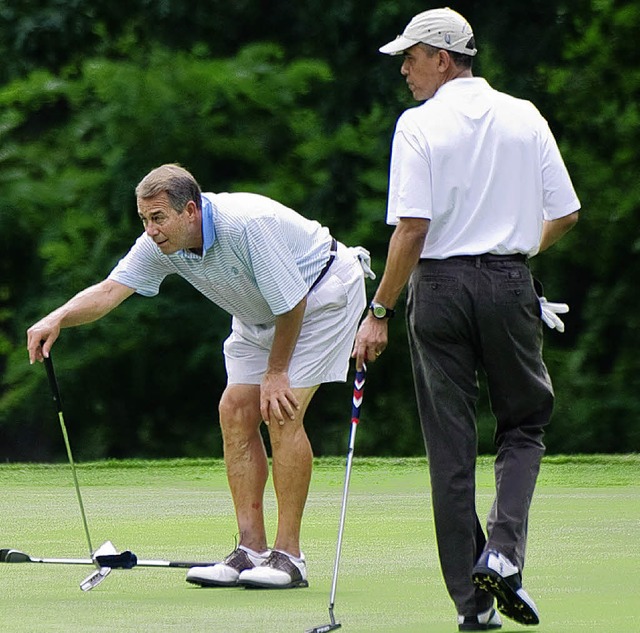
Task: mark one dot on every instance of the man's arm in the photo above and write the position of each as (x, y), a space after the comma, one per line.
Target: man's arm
(88, 305)
(276, 397)
(405, 248)
(553, 230)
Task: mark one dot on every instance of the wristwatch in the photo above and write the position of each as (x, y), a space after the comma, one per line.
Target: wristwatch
(381, 312)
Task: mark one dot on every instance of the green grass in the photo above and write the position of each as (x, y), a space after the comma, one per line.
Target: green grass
(582, 569)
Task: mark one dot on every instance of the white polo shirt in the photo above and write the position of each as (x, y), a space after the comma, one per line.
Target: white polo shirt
(482, 166)
(259, 259)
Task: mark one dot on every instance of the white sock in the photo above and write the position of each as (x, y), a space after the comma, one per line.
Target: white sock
(253, 552)
(295, 559)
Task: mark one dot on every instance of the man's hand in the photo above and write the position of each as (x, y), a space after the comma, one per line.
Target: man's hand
(277, 402)
(371, 340)
(549, 313)
(40, 338)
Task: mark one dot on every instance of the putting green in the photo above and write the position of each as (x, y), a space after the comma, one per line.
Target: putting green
(582, 566)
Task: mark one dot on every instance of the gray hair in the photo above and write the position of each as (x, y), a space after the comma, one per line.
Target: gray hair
(179, 185)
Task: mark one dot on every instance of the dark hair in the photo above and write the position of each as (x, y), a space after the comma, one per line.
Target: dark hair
(180, 186)
(461, 60)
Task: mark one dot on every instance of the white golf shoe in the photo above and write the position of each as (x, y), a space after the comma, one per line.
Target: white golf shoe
(279, 571)
(486, 621)
(226, 573)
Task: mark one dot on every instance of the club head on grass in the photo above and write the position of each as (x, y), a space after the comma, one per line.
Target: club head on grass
(13, 556)
(95, 578)
(325, 628)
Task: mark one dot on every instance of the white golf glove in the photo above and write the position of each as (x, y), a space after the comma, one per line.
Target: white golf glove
(364, 258)
(550, 311)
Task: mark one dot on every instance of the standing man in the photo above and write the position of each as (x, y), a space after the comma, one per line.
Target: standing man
(296, 296)
(477, 186)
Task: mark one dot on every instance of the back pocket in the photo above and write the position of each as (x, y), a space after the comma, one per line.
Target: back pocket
(512, 291)
(437, 288)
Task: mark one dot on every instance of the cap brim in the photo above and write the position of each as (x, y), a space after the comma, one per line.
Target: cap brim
(399, 45)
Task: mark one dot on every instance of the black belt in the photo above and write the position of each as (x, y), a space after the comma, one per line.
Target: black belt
(484, 258)
(332, 255)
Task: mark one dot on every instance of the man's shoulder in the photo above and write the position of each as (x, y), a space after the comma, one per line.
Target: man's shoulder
(513, 99)
(419, 118)
(239, 214)
(476, 94)
(241, 208)
(238, 200)
(416, 114)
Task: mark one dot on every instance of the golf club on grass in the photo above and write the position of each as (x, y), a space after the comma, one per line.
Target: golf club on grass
(95, 578)
(118, 560)
(358, 391)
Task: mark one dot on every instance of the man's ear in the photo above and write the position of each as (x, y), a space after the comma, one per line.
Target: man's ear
(444, 60)
(191, 209)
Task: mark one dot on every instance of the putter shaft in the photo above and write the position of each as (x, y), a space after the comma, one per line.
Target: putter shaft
(358, 391)
(53, 383)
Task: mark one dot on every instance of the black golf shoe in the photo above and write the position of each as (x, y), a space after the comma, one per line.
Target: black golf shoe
(497, 575)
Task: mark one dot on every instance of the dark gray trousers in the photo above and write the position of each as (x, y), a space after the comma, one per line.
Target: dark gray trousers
(466, 314)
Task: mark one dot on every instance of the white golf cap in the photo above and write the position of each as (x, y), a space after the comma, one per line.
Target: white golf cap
(442, 28)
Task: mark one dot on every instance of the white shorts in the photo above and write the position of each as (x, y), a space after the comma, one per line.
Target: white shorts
(334, 309)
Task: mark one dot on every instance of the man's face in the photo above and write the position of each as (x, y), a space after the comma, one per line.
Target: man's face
(170, 230)
(422, 73)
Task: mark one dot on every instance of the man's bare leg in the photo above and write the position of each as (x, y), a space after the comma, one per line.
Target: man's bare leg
(246, 461)
(292, 464)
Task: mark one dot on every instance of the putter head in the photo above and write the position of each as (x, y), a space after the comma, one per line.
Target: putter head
(325, 628)
(95, 578)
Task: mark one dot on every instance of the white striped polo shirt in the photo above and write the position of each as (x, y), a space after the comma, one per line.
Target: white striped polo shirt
(262, 262)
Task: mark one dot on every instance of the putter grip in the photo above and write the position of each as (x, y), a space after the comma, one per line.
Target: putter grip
(358, 392)
(53, 383)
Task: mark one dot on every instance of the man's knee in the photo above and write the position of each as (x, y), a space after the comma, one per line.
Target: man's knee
(530, 436)
(292, 431)
(239, 408)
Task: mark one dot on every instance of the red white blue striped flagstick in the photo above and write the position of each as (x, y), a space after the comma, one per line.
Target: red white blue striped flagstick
(358, 392)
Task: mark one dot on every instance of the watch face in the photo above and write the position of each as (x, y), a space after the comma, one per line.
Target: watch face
(379, 312)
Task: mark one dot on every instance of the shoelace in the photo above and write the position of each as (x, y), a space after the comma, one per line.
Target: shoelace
(239, 560)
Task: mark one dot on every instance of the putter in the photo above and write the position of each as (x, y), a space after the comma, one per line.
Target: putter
(358, 391)
(118, 560)
(94, 579)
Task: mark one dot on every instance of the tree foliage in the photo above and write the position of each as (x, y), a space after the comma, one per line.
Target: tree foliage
(601, 139)
(293, 102)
